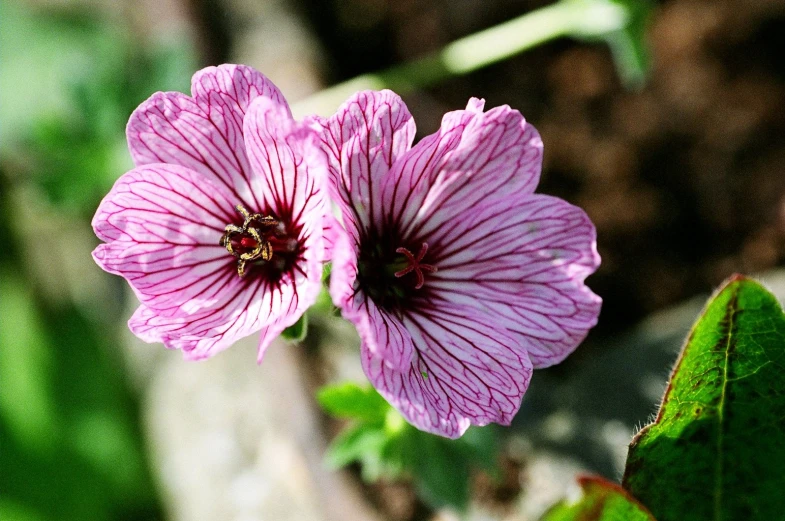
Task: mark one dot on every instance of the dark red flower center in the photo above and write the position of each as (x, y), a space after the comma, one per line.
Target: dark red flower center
(261, 240)
(390, 274)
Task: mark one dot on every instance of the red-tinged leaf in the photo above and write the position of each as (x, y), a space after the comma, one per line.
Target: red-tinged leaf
(602, 501)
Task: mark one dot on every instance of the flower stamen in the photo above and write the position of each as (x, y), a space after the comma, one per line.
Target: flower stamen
(415, 265)
(251, 241)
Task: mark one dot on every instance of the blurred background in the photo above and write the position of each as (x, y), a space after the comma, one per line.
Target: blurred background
(684, 176)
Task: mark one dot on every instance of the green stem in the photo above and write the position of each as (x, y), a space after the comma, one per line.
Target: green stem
(579, 18)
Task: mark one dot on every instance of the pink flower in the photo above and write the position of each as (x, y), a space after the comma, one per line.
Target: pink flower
(220, 227)
(459, 279)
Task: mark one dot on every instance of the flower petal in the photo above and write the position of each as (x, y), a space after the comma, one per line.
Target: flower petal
(300, 296)
(203, 132)
(244, 306)
(332, 228)
(382, 334)
(291, 178)
(461, 374)
(301, 292)
(343, 273)
(290, 166)
(258, 306)
(237, 85)
(204, 334)
(162, 224)
(368, 133)
(523, 259)
(472, 156)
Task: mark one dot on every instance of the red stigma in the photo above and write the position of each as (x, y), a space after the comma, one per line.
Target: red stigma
(415, 265)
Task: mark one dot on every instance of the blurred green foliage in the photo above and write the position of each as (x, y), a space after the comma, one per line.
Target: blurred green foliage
(297, 331)
(386, 447)
(72, 446)
(70, 82)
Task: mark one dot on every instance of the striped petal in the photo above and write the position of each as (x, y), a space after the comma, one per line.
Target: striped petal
(205, 132)
(292, 173)
(523, 259)
(382, 334)
(463, 373)
(234, 85)
(473, 155)
(254, 306)
(291, 167)
(500, 271)
(368, 133)
(161, 224)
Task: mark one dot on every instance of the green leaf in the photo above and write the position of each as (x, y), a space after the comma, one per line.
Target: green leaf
(717, 448)
(13, 511)
(602, 501)
(357, 443)
(441, 469)
(386, 446)
(349, 400)
(324, 304)
(297, 331)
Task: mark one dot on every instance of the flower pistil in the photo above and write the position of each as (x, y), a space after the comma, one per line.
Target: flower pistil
(253, 241)
(414, 264)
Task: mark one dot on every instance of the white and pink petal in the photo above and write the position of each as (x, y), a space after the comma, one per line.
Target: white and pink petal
(290, 167)
(205, 132)
(474, 155)
(382, 334)
(259, 305)
(237, 85)
(162, 224)
(523, 259)
(462, 373)
(365, 137)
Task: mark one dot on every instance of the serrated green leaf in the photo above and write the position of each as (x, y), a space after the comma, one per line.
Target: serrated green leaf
(717, 448)
(349, 400)
(602, 500)
(297, 331)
